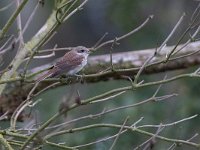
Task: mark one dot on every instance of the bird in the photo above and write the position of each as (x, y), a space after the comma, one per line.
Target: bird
(70, 64)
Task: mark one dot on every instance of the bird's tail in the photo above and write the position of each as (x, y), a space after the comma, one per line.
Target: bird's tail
(44, 76)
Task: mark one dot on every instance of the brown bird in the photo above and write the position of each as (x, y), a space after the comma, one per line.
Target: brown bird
(71, 63)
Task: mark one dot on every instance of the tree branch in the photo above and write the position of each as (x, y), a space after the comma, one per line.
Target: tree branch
(98, 69)
(37, 41)
(129, 63)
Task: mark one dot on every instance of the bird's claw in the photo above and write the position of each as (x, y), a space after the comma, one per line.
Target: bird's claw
(81, 77)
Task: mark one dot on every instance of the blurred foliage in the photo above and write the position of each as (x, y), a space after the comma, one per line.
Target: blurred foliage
(128, 14)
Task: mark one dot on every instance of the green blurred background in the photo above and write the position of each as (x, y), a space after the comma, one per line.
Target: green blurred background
(118, 17)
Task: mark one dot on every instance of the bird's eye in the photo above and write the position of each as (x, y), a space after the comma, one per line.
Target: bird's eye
(81, 51)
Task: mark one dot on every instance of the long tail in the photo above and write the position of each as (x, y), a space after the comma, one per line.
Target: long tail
(46, 75)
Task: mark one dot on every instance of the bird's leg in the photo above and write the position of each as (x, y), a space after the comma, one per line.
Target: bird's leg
(79, 76)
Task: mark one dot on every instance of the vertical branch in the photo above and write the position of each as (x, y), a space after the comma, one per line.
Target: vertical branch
(19, 24)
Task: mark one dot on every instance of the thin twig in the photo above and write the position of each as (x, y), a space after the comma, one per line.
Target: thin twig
(21, 107)
(168, 124)
(108, 98)
(42, 56)
(151, 141)
(99, 41)
(7, 6)
(132, 129)
(172, 32)
(190, 40)
(56, 49)
(172, 147)
(12, 18)
(120, 132)
(104, 112)
(104, 139)
(181, 37)
(4, 116)
(19, 25)
(3, 46)
(196, 11)
(30, 18)
(143, 67)
(75, 10)
(63, 6)
(17, 113)
(125, 35)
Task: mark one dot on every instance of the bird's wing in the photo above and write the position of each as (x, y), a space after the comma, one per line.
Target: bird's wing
(65, 64)
(69, 62)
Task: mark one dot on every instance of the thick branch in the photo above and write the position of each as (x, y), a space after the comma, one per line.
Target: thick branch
(28, 49)
(128, 63)
(125, 64)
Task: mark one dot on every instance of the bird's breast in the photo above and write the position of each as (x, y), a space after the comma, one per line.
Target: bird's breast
(78, 67)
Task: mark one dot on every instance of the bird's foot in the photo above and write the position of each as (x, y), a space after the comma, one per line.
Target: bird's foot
(80, 77)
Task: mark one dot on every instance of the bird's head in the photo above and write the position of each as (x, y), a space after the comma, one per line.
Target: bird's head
(81, 50)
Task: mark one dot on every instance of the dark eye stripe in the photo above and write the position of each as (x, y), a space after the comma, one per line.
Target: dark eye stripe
(81, 51)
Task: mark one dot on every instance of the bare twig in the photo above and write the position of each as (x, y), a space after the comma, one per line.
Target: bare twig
(172, 33)
(21, 107)
(12, 19)
(117, 39)
(108, 111)
(30, 18)
(109, 97)
(10, 40)
(181, 37)
(132, 129)
(19, 25)
(104, 139)
(142, 68)
(100, 40)
(168, 124)
(190, 40)
(4, 116)
(104, 112)
(54, 49)
(172, 147)
(120, 132)
(157, 51)
(150, 142)
(75, 10)
(7, 6)
(17, 113)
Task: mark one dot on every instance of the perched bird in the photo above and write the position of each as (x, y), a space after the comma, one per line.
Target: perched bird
(71, 63)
